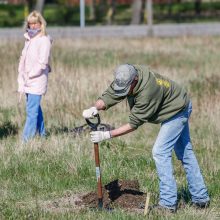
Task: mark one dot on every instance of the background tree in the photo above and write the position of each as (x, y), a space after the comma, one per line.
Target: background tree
(101, 10)
(30, 4)
(111, 12)
(92, 10)
(136, 11)
(170, 4)
(40, 5)
(149, 16)
(198, 6)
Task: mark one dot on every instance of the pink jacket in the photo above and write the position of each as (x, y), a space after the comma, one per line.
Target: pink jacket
(34, 65)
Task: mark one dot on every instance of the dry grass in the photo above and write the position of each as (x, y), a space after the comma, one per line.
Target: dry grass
(81, 70)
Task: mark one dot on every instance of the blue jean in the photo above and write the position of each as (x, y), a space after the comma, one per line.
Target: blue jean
(34, 120)
(174, 134)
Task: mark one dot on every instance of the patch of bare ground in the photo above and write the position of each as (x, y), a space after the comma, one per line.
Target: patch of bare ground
(123, 194)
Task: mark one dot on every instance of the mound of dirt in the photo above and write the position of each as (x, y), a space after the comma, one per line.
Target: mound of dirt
(124, 194)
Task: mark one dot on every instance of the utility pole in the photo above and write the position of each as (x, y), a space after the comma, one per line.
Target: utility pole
(82, 13)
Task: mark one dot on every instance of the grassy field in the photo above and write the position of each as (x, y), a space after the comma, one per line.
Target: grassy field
(46, 170)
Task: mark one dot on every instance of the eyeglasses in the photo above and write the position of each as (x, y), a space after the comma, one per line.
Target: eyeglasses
(30, 23)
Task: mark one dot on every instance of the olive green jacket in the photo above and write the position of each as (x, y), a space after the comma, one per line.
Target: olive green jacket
(155, 98)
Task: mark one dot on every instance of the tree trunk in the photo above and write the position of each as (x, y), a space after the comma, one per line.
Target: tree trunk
(30, 4)
(39, 6)
(100, 12)
(136, 11)
(111, 12)
(198, 7)
(92, 10)
(149, 16)
(170, 4)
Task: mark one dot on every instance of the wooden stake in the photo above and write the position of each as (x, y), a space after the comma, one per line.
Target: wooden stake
(146, 204)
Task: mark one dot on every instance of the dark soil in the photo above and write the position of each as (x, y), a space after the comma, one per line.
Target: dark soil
(123, 194)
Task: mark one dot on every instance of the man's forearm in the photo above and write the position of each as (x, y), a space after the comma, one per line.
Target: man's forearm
(124, 129)
(100, 105)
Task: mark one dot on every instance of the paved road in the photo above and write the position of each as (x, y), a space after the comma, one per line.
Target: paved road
(161, 30)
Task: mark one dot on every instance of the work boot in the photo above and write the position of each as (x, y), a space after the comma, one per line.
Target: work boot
(162, 209)
(201, 205)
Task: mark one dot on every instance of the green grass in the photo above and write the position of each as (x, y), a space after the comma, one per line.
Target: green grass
(47, 170)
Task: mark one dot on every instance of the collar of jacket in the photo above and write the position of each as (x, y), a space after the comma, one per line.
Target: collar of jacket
(26, 36)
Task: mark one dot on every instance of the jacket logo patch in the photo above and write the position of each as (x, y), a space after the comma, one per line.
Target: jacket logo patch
(163, 82)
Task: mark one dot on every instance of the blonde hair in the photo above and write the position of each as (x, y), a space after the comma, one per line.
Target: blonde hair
(35, 17)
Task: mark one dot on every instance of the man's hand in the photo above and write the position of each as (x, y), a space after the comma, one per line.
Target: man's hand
(97, 136)
(90, 113)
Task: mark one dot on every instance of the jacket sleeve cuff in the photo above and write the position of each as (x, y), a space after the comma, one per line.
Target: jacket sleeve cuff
(103, 99)
(134, 122)
(133, 126)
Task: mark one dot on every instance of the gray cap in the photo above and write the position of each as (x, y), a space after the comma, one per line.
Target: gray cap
(124, 75)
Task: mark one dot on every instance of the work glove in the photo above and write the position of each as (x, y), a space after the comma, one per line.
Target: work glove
(90, 113)
(97, 136)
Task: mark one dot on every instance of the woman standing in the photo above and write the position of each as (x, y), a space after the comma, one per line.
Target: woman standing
(33, 73)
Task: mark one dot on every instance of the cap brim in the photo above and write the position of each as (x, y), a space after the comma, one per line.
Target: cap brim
(119, 91)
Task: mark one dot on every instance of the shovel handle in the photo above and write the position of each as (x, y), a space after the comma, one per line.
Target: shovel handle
(98, 175)
(93, 125)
